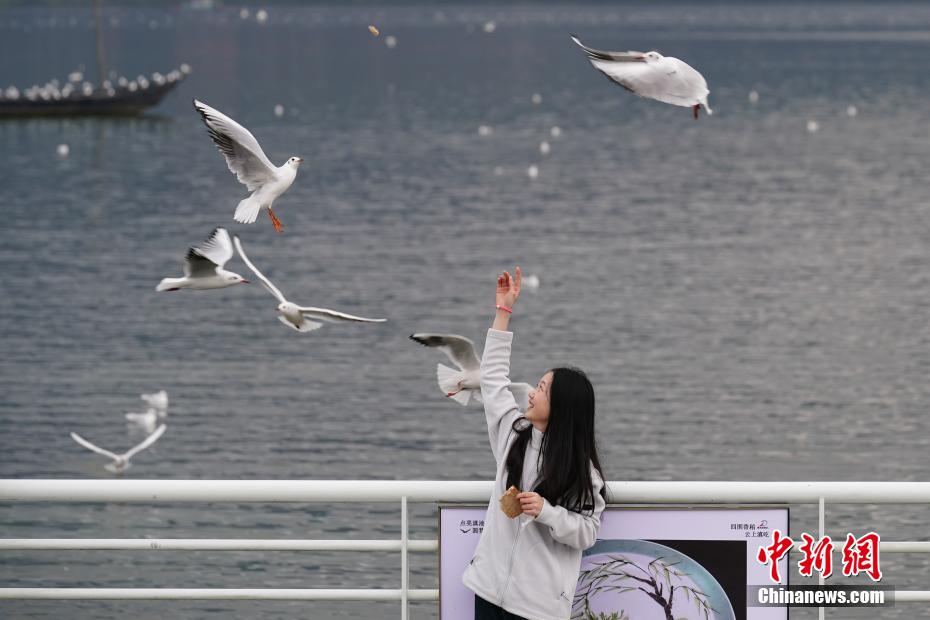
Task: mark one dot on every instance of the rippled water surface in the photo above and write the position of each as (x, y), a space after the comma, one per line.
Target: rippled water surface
(750, 298)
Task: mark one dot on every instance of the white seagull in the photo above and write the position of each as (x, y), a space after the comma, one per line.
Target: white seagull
(158, 400)
(301, 318)
(203, 267)
(146, 421)
(157, 409)
(121, 461)
(249, 163)
(460, 385)
(653, 76)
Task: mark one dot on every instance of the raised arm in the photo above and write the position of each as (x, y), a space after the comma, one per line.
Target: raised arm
(508, 290)
(500, 407)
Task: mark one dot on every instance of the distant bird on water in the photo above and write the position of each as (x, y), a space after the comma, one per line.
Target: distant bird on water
(159, 400)
(653, 76)
(146, 421)
(249, 163)
(157, 410)
(121, 461)
(301, 318)
(203, 269)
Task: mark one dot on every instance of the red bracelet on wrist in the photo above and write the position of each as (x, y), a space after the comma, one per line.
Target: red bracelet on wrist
(504, 308)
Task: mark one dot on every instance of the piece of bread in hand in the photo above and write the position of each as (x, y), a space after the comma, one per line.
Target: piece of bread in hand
(510, 504)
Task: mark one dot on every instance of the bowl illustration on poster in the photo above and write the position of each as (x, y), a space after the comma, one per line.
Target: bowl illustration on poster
(643, 580)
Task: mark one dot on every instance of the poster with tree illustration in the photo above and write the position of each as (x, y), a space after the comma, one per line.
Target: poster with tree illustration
(677, 563)
(640, 580)
(673, 564)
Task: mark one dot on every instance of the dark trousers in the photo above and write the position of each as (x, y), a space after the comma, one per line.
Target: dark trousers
(489, 611)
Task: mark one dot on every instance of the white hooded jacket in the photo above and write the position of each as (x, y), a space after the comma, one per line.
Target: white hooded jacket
(527, 566)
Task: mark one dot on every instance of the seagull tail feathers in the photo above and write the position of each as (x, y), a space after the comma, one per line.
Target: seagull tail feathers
(247, 211)
(448, 379)
(462, 397)
(168, 283)
(306, 326)
(309, 326)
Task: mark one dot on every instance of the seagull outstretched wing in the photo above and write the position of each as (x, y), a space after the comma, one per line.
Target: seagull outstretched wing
(243, 154)
(594, 54)
(258, 274)
(217, 247)
(148, 441)
(459, 349)
(94, 448)
(332, 316)
(198, 266)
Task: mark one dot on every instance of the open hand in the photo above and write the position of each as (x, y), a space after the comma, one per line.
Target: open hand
(508, 289)
(530, 502)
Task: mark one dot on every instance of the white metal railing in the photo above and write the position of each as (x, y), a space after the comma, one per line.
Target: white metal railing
(319, 491)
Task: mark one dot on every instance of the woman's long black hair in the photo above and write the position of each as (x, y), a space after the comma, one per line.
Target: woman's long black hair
(568, 447)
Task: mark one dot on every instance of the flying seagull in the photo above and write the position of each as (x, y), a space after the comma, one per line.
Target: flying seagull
(145, 421)
(121, 461)
(653, 76)
(157, 409)
(203, 266)
(460, 385)
(249, 163)
(301, 318)
(159, 400)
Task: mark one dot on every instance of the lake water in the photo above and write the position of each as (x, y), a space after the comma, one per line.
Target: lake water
(749, 297)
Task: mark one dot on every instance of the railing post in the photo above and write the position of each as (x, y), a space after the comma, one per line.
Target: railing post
(404, 573)
(820, 519)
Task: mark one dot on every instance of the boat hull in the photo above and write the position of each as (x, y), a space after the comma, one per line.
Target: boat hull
(99, 103)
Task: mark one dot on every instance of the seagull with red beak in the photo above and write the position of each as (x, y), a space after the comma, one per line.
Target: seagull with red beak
(203, 270)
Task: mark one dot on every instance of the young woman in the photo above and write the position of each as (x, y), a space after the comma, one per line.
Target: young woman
(527, 567)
